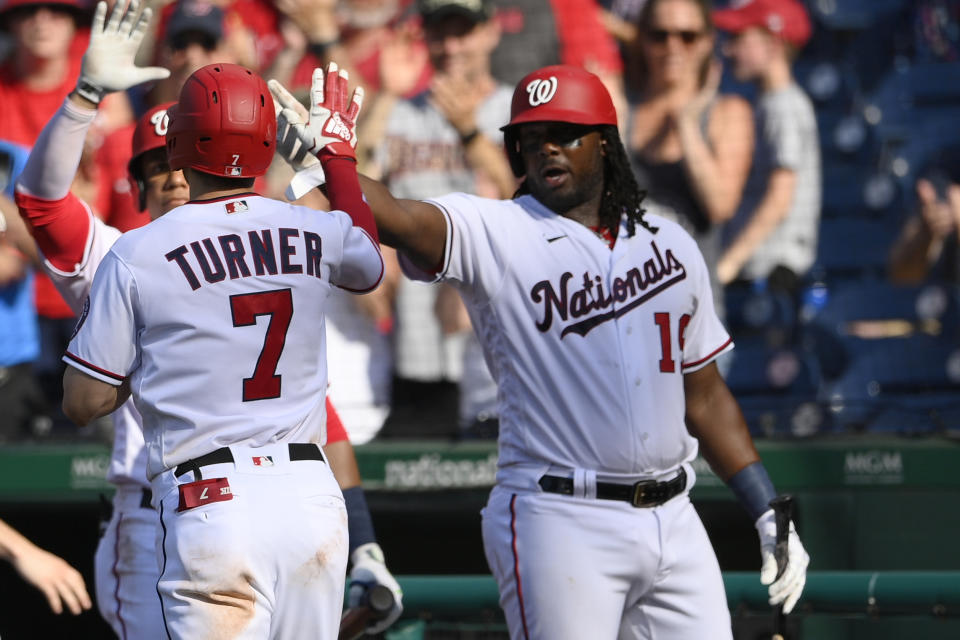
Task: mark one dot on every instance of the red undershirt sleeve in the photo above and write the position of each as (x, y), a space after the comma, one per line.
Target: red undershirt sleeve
(60, 227)
(348, 196)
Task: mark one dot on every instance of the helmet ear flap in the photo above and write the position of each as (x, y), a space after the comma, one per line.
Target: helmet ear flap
(511, 144)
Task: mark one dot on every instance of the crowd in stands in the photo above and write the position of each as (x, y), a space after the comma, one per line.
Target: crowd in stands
(810, 149)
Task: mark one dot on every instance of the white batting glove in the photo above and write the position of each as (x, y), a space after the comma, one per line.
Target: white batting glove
(331, 127)
(369, 570)
(108, 64)
(789, 586)
(308, 174)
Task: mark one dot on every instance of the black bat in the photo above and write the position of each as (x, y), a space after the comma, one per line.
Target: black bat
(376, 602)
(783, 512)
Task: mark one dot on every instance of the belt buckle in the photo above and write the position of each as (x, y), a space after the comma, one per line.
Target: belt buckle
(640, 492)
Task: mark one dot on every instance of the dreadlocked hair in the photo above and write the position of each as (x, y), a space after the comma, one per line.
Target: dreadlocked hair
(621, 193)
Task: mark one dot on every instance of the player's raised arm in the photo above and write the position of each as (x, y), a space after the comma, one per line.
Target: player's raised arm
(58, 226)
(329, 132)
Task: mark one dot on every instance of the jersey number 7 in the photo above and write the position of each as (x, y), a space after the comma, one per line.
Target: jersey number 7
(245, 307)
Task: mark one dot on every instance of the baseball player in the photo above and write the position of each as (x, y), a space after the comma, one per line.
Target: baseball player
(598, 324)
(209, 574)
(73, 243)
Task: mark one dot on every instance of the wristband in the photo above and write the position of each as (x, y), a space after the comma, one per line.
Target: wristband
(753, 488)
(359, 523)
(90, 91)
(470, 136)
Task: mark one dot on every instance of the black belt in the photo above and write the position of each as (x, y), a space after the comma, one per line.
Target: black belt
(298, 451)
(646, 493)
(146, 499)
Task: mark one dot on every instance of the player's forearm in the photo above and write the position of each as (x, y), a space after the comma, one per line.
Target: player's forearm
(54, 159)
(415, 228)
(714, 418)
(86, 398)
(343, 463)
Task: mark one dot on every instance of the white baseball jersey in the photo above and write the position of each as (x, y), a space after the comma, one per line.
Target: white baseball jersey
(588, 345)
(215, 312)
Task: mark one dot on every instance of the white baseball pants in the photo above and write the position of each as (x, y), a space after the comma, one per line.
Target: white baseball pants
(573, 568)
(270, 562)
(126, 568)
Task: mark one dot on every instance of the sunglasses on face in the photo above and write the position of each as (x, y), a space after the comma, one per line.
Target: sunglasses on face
(660, 36)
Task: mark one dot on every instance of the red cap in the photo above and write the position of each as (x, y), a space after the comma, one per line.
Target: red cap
(562, 93)
(150, 132)
(787, 19)
(80, 7)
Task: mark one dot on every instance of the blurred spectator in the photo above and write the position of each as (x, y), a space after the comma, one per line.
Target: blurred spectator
(537, 33)
(773, 237)
(22, 400)
(374, 40)
(43, 65)
(936, 25)
(192, 37)
(929, 244)
(42, 68)
(446, 139)
(60, 583)
(689, 147)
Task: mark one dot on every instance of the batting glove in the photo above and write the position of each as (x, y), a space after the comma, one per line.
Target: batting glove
(369, 570)
(331, 129)
(108, 64)
(788, 587)
(308, 174)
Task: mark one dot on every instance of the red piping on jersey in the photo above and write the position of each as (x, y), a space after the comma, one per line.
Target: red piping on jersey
(245, 194)
(516, 564)
(92, 367)
(707, 357)
(116, 576)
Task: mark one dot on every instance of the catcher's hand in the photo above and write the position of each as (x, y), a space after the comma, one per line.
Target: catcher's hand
(108, 64)
(789, 586)
(331, 128)
(308, 174)
(368, 570)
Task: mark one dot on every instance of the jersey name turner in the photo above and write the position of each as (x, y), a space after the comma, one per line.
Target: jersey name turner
(241, 256)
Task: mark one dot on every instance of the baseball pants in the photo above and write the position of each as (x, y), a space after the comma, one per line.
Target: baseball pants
(126, 568)
(570, 568)
(267, 562)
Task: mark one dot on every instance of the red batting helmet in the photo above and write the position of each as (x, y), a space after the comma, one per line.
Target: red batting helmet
(558, 93)
(149, 134)
(223, 124)
(80, 8)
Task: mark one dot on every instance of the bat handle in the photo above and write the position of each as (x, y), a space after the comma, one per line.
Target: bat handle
(376, 603)
(783, 512)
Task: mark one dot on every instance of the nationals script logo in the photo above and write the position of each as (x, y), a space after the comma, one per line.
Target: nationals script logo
(638, 285)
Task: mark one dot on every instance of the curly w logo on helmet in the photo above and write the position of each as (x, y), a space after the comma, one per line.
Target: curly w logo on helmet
(542, 90)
